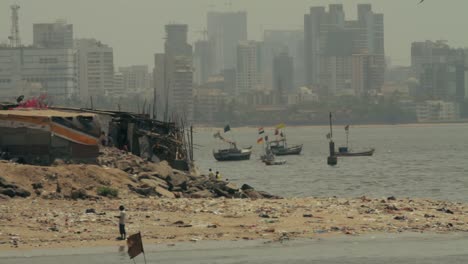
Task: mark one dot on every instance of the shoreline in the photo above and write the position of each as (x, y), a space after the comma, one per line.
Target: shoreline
(50, 224)
(425, 124)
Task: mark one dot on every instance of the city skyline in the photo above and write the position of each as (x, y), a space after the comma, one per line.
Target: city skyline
(121, 32)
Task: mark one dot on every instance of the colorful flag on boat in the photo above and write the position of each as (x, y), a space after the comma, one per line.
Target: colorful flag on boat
(280, 126)
(261, 131)
(227, 128)
(346, 127)
(260, 140)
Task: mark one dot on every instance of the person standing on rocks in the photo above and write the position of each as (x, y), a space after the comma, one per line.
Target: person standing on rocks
(218, 176)
(122, 218)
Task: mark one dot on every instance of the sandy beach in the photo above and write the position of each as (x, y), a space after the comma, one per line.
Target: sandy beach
(41, 223)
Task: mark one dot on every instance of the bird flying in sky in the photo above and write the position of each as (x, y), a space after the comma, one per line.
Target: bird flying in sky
(420, 1)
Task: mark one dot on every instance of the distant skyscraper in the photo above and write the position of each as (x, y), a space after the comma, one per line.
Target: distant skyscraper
(225, 31)
(50, 71)
(330, 42)
(173, 76)
(96, 69)
(136, 78)
(275, 43)
(440, 69)
(248, 77)
(283, 74)
(202, 61)
(53, 35)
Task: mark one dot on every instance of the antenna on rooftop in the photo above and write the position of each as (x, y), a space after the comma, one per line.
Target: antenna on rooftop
(15, 40)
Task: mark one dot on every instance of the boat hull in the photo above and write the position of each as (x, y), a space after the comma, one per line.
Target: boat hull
(355, 154)
(295, 150)
(229, 156)
(275, 162)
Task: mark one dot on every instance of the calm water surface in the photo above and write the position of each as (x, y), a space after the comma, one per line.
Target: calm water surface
(428, 161)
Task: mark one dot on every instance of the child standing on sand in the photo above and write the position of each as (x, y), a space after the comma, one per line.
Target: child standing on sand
(122, 218)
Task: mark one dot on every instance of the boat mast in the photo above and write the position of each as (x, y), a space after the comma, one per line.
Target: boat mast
(347, 134)
(331, 129)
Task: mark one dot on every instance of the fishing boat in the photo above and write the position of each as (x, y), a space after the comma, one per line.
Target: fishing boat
(346, 152)
(270, 159)
(280, 146)
(233, 153)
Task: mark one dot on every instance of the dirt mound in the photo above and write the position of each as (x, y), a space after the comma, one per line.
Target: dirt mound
(118, 174)
(61, 181)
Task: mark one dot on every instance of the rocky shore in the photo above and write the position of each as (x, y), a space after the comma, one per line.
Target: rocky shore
(74, 205)
(38, 223)
(117, 174)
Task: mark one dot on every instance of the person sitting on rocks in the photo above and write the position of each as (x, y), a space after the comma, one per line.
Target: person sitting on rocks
(211, 175)
(218, 176)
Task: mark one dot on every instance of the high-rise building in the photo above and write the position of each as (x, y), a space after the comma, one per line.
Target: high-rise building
(136, 78)
(95, 69)
(283, 75)
(225, 31)
(173, 76)
(248, 77)
(440, 69)
(331, 41)
(202, 61)
(53, 35)
(50, 71)
(275, 43)
(366, 74)
(118, 87)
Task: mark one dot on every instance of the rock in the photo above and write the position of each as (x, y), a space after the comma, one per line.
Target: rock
(268, 195)
(246, 187)
(307, 215)
(164, 193)
(222, 193)
(90, 211)
(391, 198)
(400, 217)
(124, 165)
(145, 191)
(202, 194)
(177, 180)
(231, 187)
(8, 192)
(79, 194)
(154, 183)
(429, 216)
(5, 184)
(37, 185)
(445, 210)
(252, 194)
(22, 192)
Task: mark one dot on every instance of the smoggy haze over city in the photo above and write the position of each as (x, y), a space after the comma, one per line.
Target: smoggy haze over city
(135, 29)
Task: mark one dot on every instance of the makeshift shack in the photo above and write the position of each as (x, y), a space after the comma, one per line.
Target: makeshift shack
(39, 136)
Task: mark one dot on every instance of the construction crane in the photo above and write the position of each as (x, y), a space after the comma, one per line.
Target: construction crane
(14, 38)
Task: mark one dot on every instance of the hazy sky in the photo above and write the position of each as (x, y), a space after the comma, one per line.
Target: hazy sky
(135, 28)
